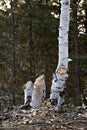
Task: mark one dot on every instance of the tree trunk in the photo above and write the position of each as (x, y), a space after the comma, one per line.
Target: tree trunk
(86, 20)
(30, 49)
(13, 52)
(28, 92)
(75, 40)
(60, 76)
(38, 92)
(30, 43)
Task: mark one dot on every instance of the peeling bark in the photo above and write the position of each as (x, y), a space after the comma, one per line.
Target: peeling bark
(60, 76)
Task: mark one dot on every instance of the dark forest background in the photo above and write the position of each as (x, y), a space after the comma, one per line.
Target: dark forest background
(29, 47)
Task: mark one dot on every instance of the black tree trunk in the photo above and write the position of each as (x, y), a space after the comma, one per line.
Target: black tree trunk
(75, 40)
(13, 52)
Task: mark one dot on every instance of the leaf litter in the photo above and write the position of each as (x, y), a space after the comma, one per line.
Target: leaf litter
(45, 118)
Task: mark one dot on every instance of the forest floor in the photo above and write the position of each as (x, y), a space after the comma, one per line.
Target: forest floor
(45, 118)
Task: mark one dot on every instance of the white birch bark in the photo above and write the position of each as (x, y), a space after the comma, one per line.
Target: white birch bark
(8, 3)
(38, 92)
(60, 76)
(28, 92)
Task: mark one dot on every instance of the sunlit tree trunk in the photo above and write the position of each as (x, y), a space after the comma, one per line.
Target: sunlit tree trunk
(60, 76)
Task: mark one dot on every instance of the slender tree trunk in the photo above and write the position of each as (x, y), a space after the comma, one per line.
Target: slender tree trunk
(86, 24)
(60, 76)
(46, 62)
(75, 40)
(0, 108)
(30, 57)
(86, 20)
(13, 51)
(30, 49)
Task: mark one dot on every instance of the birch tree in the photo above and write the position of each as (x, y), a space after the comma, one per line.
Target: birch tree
(28, 93)
(60, 75)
